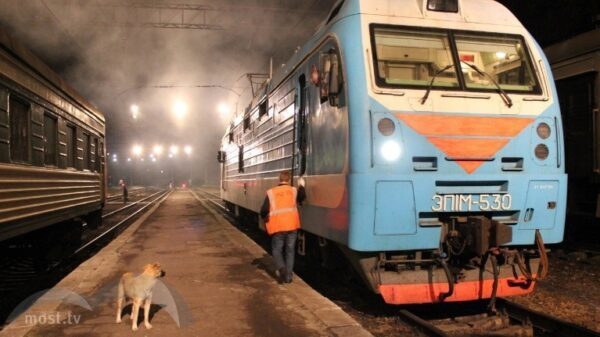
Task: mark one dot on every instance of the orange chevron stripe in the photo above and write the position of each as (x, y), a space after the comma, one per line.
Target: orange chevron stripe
(445, 133)
(469, 149)
(436, 125)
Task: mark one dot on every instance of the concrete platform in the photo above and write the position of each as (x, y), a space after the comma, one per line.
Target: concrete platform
(217, 284)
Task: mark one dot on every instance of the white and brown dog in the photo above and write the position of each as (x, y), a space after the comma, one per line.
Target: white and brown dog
(139, 290)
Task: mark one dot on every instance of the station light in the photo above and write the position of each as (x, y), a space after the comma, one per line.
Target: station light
(188, 150)
(135, 111)
(157, 150)
(128, 159)
(174, 149)
(180, 109)
(224, 109)
(137, 150)
(390, 150)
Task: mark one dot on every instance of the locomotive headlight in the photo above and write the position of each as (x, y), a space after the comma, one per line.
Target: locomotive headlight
(541, 152)
(386, 126)
(390, 150)
(543, 130)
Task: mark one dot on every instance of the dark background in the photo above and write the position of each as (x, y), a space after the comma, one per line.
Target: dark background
(114, 63)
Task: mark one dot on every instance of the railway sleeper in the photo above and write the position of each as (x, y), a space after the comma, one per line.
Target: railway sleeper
(483, 325)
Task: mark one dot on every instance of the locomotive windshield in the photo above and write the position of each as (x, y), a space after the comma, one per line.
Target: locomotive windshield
(407, 57)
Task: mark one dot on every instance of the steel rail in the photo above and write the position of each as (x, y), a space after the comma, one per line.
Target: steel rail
(104, 216)
(223, 208)
(120, 195)
(163, 194)
(554, 326)
(421, 324)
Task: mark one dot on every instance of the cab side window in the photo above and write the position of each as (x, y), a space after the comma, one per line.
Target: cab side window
(331, 77)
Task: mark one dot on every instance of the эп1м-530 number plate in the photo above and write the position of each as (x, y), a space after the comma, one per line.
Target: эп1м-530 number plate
(471, 202)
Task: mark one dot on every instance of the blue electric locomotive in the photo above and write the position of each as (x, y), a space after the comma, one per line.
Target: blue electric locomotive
(430, 139)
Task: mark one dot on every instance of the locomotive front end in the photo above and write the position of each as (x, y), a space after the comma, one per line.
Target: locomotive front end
(466, 175)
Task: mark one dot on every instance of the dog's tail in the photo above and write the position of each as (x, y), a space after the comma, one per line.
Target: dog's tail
(121, 289)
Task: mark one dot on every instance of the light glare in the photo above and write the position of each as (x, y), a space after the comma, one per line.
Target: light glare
(180, 109)
(224, 109)
(135, 111)
(137, 150)
(501, 55)
(390, 150)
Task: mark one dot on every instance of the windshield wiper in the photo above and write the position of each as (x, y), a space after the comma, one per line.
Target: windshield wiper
(502, 93)
(424, 99)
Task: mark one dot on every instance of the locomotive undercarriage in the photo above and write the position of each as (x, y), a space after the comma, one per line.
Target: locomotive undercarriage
(471, 252)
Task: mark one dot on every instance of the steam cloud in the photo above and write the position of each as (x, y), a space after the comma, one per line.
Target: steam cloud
(104, 53)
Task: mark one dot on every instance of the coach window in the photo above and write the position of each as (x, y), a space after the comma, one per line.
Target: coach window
(96, 155)
(86, 152)
(71, 146)
(19, 130)
(50, 140)
(246, 123)
(100, 157)
(262, 109)
(241, 158)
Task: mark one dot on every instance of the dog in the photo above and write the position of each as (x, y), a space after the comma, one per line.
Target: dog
(139, 290)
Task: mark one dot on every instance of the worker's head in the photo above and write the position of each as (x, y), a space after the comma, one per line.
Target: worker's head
(284, 177)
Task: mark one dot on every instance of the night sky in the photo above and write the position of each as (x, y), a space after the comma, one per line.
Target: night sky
(551, 21)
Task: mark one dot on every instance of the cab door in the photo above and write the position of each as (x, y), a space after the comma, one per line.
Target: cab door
(303, 99)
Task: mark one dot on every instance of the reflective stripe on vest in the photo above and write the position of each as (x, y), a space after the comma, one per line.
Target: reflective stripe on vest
(283, 213)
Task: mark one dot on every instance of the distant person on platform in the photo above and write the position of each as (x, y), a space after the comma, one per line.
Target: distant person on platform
(280, 212)
(125, 192)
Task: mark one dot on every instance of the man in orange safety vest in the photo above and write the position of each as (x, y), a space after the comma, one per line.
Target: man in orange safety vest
(280, 212)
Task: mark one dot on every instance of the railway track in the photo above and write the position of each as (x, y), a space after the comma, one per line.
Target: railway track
(21, 275)
(510, 319)
(103, 232)
(118, 196)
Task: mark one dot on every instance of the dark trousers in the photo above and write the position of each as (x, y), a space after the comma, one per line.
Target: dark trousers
(278, 241)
